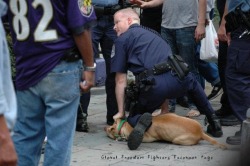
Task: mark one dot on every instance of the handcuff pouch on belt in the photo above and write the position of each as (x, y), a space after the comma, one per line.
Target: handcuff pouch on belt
(236, 18)
(178, 65)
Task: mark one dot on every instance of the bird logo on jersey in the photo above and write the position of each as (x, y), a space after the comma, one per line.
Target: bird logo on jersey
(85, 7)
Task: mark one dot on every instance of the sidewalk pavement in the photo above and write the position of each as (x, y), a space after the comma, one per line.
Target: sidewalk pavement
(96, 149)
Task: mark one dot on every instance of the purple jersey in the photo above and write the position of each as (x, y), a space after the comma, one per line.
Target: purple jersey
(42, 33)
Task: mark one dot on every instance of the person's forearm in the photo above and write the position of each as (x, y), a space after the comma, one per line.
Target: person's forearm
(84, 45)
(223, 20)
(222, 34)
(202, 12)
(121, 83)
(147, 4)
(7, 151)
(3, 128)
(154, 3)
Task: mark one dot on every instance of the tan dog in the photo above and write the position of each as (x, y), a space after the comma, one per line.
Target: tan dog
(168, 127)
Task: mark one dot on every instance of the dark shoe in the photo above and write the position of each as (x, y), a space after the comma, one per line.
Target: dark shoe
(110, 120)
(216, 91)
(222, 112)
(81, 124)
(229, 120)
(182, 101)
(234, 140)
(214, 127)
(136, 136)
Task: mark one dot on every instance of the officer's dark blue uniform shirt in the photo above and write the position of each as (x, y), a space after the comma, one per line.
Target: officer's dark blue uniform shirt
(138, 49)
(232, 4)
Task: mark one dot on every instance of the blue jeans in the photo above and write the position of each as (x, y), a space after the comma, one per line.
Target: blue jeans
(46, 109)
(208, 70)
(105, 35)
(182, 42)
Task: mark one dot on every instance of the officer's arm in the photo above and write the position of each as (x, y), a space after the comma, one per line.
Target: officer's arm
(121, 83)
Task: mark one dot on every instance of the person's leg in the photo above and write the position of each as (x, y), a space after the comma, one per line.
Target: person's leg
(104, 35)
(238, 80)
(186, 45)
(82, 113)
(45, 111)
(61, 111)
(225, 113)
(29, 130)
(170, 37)
(106, 47)
(198, 96)
(210, 72)
(136, 136)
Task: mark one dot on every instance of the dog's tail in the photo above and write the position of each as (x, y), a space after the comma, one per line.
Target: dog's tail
(213, 141)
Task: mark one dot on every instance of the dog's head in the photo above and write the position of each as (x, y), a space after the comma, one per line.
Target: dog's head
(114, 130)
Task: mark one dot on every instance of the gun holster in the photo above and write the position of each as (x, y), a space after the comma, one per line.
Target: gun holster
(178, 65)
(236, 18)
(131, 97)
(232, 21)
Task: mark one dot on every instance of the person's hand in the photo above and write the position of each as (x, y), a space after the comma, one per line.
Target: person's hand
(89, 81)
(139, 3)
(222, 35)
(200, 32)
(8, 156)
(136, 2)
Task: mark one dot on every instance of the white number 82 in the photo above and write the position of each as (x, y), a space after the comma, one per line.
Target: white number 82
(21, 25)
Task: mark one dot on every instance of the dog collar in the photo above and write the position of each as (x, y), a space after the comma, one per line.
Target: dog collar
(120, 125)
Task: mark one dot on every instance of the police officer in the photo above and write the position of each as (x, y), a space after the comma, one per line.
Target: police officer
(237, 23)
(139, 50)
(103, 35)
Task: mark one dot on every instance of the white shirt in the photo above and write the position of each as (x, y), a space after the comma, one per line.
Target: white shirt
(8, 104)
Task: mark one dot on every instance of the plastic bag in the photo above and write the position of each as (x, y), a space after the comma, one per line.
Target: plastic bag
(210, 44)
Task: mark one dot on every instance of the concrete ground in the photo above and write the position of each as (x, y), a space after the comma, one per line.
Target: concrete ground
(96, 149)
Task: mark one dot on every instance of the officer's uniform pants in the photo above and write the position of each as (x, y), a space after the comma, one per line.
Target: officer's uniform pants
(169, 86)
(238, 75)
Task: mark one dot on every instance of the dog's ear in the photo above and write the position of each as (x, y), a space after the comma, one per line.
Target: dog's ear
(111, 132)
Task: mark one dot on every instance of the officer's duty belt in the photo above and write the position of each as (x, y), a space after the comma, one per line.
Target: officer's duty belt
(156, 70)
(237, 18)
(71, 55)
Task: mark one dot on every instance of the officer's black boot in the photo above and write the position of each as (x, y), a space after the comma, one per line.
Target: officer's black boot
(214, 127)
(236, 139)
(136, 136)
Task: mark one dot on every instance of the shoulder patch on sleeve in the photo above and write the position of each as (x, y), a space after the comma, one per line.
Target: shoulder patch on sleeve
(85, 7)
